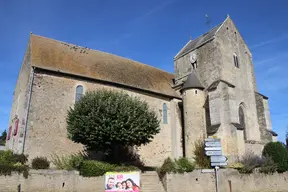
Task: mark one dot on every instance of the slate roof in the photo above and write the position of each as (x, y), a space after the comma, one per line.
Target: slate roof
(199, 41)
(71, 59)
(192, 82)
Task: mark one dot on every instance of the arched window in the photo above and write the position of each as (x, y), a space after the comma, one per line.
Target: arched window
(236, 61)
(165, 115)
(79, 93)
(242, 121)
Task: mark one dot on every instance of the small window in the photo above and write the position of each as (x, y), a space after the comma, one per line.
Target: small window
(195, 91)
(79, 92)
(165, 115)
(236, 61)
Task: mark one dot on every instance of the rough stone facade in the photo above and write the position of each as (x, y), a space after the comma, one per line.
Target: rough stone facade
(51, 98)
(224, 102)
(229, 90)
(20, 105)
(67, 181)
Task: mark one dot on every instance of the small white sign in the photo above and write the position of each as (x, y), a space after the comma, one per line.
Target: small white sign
(213, 148)
(211, 153)
(213, 144)
(207, 171)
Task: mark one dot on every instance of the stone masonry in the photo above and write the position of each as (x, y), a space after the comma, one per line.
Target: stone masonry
(212, 92)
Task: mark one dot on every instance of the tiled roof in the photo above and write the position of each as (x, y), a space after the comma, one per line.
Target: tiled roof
(67, 58)
(192, 82)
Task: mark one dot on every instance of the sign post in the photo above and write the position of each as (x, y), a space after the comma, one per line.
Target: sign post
(213, 149)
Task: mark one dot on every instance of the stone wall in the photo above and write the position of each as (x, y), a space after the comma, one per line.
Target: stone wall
(261, 111)
(52, 96)
(19, 105)
(67, 181)
(205, 182)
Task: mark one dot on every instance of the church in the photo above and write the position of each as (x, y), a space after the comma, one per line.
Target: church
(213, 92)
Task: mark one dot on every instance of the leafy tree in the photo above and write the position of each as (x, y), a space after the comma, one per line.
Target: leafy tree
(105, 120)
(3, 138)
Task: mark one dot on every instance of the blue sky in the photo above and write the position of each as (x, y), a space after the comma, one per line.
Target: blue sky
(150, 31)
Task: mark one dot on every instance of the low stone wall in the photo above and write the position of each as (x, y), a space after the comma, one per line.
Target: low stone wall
(51, 181)
(68, 181)
(205, 182)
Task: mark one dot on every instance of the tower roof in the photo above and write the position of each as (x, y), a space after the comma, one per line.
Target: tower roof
(192, 82)
(201, 40)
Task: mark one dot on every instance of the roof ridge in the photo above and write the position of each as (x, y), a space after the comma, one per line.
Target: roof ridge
(207, 36)
(140, 63)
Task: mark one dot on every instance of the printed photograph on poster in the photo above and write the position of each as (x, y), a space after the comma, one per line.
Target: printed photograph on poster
(122, 181)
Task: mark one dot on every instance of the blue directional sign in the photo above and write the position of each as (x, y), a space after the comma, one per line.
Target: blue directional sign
(218, 159)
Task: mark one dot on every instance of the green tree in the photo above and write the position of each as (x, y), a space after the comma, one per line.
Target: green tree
(104, 120)
(3, 138)
(278, 153)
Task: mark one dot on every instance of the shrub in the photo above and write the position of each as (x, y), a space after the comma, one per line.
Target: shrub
(20, 158)
(278, 153)
(76, 160)
(269, 166)
(10, 162)
(200, 158)
(168, 166)
(7, 169)
(67, 162)
(40, 163)
(250, 161)
(6, 157)
(237, 166)
(184, 165)
(90, 168)
(125, 168)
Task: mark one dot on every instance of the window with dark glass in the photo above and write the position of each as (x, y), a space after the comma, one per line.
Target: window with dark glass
(79, 92)
(236, 61)
(165, 115)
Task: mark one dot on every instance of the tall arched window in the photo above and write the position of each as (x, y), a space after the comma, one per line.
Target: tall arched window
(236, 61)
(242, 121)
(165, 115)
(79, 93)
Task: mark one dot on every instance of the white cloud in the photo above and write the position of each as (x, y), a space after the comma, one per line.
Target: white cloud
(264, 43)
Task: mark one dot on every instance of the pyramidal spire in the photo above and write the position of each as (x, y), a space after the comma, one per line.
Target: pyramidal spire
(192, 82)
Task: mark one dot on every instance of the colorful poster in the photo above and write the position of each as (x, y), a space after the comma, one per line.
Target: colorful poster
(123, 181)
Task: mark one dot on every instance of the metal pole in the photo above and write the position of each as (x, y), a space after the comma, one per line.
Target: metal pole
(216, 173)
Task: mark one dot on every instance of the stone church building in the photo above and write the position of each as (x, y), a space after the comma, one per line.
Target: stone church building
(212, 92)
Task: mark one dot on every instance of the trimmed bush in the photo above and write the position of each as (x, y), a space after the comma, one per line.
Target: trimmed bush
(40, 163)
(278, 153)
(184, 165)
(200, 158)
(90, 168)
